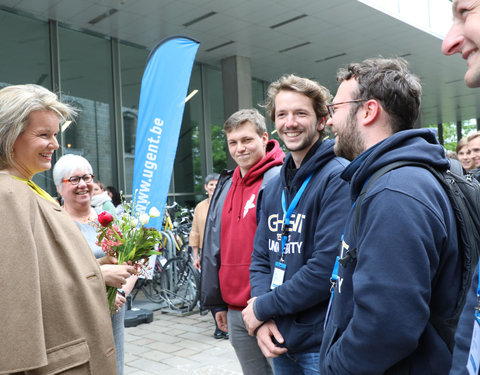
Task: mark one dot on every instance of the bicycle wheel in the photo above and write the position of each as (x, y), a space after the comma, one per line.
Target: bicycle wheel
(153, 289)
(180, 284)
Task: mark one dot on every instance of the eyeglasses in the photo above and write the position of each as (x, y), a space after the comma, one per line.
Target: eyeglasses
(331, 106)
(75, 180)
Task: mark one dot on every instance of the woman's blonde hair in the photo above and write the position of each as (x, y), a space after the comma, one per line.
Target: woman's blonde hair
(16, 104)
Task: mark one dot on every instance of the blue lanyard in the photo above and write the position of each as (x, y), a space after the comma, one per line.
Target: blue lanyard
(288, 213)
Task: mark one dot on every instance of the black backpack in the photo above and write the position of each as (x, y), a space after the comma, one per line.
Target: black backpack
(464, 195)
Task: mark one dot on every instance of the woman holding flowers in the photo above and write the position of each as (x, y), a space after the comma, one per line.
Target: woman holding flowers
(53, 301)
(73, 177)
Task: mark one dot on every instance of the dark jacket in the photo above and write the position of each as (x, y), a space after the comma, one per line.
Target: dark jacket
(407, 266)
(298, 306)
(210, 294)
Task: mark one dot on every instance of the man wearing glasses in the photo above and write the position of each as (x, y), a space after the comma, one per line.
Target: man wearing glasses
(301, 218)
(399, 263)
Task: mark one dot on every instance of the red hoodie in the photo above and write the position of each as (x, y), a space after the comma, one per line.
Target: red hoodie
(239, 223)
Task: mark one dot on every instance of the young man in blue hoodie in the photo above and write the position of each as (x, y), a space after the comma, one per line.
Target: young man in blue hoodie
(400, 268)
(292, 263)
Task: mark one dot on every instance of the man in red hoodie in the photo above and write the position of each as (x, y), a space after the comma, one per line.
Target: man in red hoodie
(230, 230)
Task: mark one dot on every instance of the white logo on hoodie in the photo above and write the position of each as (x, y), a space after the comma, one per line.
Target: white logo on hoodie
(249, 205)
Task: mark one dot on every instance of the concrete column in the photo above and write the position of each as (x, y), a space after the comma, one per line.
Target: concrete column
(237, 84)
(237, 88)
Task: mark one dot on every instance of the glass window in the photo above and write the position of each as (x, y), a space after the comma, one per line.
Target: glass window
(86, 82)
(213, 81)
(25, 58)
(258, 95)
(132, 64)
(187, 173)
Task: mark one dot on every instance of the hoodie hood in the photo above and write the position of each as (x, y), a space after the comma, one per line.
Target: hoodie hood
(418, 145)
(321, 157)
(273, 156)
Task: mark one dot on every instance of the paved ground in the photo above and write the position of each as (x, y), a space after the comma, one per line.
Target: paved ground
(178, 345)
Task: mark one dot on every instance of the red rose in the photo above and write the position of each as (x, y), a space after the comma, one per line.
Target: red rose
(105, 218)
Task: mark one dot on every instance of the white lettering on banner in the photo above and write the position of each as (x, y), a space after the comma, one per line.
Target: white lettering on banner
(150, 165)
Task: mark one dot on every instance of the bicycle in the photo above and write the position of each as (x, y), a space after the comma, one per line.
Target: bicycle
(175, 283)
(179, 226)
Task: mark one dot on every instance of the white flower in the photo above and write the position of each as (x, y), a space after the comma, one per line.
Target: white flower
(154, 212)
(144, 218)
(133, 222)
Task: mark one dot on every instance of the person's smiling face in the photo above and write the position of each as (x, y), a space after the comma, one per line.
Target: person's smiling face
(296, 122)
(464, 38)
(34, 147)
(80, 194)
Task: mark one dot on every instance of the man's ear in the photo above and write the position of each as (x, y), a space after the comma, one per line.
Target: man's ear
(371, 111)
(265, 138)
(321, 122)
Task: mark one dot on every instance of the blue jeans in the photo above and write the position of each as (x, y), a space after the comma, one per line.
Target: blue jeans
(298, 363)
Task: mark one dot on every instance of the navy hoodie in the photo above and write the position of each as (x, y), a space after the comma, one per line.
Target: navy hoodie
(407, 266)
(298, 306)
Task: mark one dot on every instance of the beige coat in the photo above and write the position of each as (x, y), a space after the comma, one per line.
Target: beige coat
(198, 224)
(54, 313)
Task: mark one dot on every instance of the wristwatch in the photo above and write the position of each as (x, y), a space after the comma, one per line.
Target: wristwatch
(121, 291)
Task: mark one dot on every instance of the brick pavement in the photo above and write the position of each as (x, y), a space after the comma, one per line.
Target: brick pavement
(178, 345)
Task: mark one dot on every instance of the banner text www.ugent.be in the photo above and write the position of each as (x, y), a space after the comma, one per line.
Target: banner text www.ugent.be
(150, 165)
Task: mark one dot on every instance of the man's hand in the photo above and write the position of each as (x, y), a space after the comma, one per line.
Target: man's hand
(249, 318)
(265, 342)
(221, 318)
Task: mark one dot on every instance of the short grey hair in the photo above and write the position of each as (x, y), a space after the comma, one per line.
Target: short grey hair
(211, 177)
(68, 164)
(246, 115)
(16, 104)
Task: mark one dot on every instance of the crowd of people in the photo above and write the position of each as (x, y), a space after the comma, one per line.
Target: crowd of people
(297, 279)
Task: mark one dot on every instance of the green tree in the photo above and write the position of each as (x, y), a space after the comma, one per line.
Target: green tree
(450, 132)
(219, 151)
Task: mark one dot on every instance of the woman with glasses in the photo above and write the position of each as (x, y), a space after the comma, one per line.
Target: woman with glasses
(54, 306)
(73, 177)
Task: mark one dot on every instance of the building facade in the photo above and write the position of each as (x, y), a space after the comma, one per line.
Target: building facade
(101, 76)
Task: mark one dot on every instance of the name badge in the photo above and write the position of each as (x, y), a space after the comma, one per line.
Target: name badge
(278, 275)
(474, 355)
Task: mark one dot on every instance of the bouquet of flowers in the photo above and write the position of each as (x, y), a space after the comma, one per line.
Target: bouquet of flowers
(127, 239)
